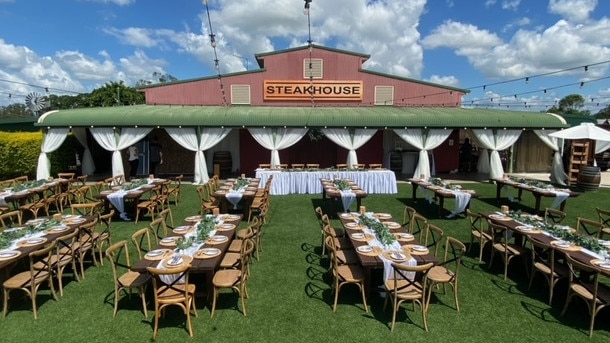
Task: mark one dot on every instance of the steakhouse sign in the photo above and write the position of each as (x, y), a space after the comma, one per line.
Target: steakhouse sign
(321, 90)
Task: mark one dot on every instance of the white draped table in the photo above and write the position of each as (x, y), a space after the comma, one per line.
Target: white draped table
(381, 181)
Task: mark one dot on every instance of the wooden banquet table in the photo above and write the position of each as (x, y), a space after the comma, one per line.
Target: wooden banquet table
(230, 198)
(538, 193)
(578, 253)
(70, 224)
(14, 199)
(369, 262)
(372, 181)
(132, 195)
(205, 266)
(440, 193)
(334, 194)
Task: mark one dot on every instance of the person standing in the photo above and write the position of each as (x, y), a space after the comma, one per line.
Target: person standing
(134, 160)
(466, 155)
(156, 156)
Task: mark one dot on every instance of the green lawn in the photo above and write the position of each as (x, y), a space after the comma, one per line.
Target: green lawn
(290, 298)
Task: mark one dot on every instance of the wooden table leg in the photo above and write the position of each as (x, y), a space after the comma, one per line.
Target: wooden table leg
(537, 206)
(441, 205)
(415, 185)
(499, 186)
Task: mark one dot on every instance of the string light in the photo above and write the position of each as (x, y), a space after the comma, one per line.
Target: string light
(216, 60)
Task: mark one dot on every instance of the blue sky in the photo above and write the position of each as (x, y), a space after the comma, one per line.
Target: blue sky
(78, 45)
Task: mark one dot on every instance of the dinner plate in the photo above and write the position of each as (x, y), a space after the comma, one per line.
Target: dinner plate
(398, 256)
(524, 228)
(499, 217)
(8, 254)
(419, 248)
(223, 227)
(35, 221)
(219, 238)
(561, 244)
(364, 248)
(182, 229)
(59, 228)
(603, 264)
(177, 262)
(352, 225)
(231, 217)
(346, 215)
(169, 240)
(405, 236)
(210, 251)
(383, 215)
(155, 253)
(193, 218)
(357, 235)
(77, 220)
(393, 225)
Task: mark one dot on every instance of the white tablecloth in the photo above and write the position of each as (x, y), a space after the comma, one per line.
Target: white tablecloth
(308, 182)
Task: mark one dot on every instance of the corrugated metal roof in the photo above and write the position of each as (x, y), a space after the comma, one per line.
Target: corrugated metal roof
(246, 116)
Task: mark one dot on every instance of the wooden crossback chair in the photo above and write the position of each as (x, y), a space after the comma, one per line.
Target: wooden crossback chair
(174, 293)
(589, 227)
(604, 219)
(124, 278)
(30, 280)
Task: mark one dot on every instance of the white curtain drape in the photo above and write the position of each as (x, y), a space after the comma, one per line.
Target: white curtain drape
(345, 139)
(424, 140)
(87, 164)
(601, 146)
(190, 139)
(276, 139)
(558, 176)
(116, 141)
(51, 141)
(494, 140)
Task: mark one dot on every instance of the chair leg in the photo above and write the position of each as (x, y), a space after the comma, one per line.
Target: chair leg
(366, 308)
(214, 302)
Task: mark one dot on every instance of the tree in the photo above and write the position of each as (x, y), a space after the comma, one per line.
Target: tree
(15, 111)
(603, 114)
(114, 94)
(156, 78)
(571, 104)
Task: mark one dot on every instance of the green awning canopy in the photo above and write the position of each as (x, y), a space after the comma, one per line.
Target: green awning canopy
(247, 116)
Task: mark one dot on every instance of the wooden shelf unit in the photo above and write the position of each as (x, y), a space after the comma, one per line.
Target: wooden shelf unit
(579, 157)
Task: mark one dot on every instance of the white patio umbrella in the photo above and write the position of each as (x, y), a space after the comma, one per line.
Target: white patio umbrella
(583, 131)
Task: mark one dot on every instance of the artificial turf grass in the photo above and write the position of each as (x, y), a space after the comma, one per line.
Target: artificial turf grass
(290, 296)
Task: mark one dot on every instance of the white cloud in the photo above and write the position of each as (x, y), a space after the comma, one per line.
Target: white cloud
(135, 36)
(451, 81)
(511, 4)
(139, 66)
(116, 2)
(85, 67)
(574, 10)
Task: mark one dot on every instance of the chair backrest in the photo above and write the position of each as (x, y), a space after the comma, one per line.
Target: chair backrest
(298, 165)
(419, 225)
(159, 229)
(553, 216)
(407, 216)
(179, 275)
(141, 238)
(542, 253)
(475, 220)
(264, 165)
(454, 251)
(118, 255)
(416, 285)
(375, 165)
(86, 209)
(21, 179)
(65, 246)
(10, 219)
(434, 235)
(589, 227)
(342, 165)
(105, 221)
(604, 216)
(67, 176)
(43, 256)
(313, 165)
(590, 282)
